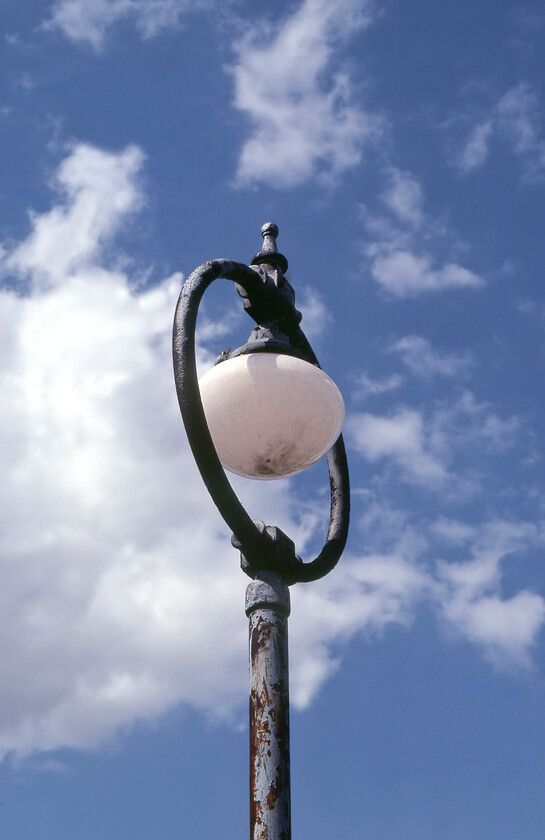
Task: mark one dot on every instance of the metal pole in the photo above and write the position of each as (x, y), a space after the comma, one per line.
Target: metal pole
(268, 607)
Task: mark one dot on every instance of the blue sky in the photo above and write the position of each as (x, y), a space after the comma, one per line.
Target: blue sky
(400, 147)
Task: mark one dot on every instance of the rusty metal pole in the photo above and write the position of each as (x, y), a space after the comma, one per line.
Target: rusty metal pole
(268, 608)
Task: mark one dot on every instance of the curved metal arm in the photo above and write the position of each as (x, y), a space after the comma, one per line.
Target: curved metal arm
(256, 544)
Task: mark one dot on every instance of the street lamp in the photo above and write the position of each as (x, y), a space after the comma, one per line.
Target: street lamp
(266, 410)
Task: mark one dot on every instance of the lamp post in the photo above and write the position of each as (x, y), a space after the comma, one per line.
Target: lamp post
(266, 410)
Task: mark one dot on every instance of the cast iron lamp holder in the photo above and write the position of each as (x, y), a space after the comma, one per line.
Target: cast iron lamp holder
(270, 300)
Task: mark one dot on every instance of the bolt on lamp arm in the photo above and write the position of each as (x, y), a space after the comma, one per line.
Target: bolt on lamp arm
(261, 548)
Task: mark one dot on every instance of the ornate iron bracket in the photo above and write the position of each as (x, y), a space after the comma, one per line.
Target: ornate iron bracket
(269, 299)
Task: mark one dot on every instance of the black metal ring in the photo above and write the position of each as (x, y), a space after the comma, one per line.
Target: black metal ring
(253, 541)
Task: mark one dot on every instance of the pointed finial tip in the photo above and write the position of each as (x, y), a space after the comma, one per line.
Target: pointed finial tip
(269, 229)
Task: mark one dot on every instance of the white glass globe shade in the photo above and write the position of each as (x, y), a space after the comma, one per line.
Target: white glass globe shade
(270, 415)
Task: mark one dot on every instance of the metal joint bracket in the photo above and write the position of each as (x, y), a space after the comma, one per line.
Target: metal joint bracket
(277, 555)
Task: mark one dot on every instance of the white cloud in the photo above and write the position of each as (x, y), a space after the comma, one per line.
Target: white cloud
(476, 149)
(373, 591)
(91, 20)
(506, 628)
(366, 386)
(403, 196)
(518, 112)
(386, 586)
(307, 121)
(394, 244)
(466, 422)
(405, 274)
(316, 316)
(101, 512)
(400, 438)
(97, 190)
(422, 360)
(453, 531)
(516, 119)
(382, 524)
(434, 450)
(471, 603)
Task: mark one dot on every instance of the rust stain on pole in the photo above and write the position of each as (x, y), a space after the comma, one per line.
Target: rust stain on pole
(268, 607)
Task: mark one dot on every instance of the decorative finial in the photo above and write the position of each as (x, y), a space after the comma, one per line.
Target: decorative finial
(269, 232)
(269, 254)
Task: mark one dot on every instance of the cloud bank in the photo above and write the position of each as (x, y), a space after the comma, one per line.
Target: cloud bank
(109, 541)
